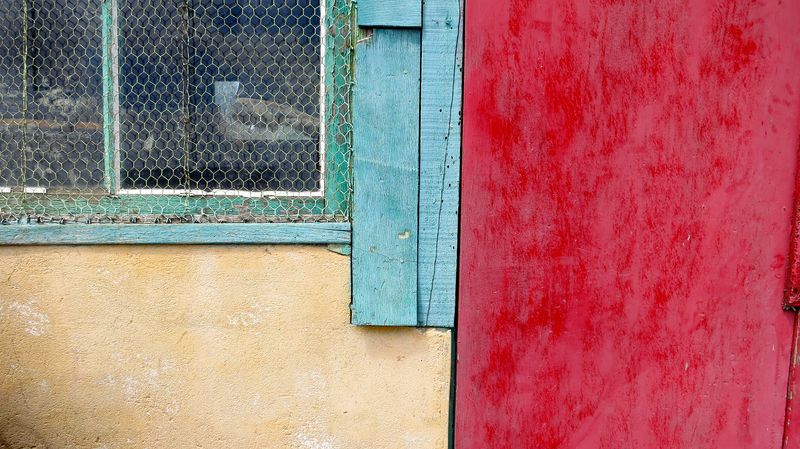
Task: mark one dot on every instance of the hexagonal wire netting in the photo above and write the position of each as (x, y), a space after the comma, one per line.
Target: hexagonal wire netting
(175, 110)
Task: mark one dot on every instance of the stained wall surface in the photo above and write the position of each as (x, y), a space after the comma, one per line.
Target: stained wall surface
(207, 347)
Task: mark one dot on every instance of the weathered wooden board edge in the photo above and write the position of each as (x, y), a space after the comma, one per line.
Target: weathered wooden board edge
(390, 13)
(386, 173)
(440, 160)
(175, 234)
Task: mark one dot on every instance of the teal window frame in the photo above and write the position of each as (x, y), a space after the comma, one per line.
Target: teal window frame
(176, 234)
(333, 201)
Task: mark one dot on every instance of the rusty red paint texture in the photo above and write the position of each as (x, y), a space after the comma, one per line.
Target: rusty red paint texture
(628, 174)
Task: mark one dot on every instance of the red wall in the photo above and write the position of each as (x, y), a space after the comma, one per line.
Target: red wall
(628, 172)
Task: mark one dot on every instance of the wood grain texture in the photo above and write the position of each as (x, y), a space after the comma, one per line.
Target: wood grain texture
(386, 174)
(390, 13)
(175, 234)
(440, 159)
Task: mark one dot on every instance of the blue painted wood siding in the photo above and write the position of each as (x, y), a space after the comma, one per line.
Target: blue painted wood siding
(175, 234)
(390, 13)
(386, 174)
(440, 161)
(405, 220)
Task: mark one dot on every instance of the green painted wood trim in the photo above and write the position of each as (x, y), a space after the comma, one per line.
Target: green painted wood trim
(390, 13)
(178, 234)
(338, 80)
(440, 161)
(386, 171)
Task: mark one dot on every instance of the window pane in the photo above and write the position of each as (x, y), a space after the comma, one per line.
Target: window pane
(200, 110)
(10, 94)
(64, 136)
(152, 66)
(226, 94)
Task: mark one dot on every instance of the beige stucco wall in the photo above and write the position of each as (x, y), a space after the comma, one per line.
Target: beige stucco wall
(206, 347)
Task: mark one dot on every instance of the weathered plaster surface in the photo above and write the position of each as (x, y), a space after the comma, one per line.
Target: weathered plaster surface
(206, 347)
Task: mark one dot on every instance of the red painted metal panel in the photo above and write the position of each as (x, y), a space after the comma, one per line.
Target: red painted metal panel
(628, 172)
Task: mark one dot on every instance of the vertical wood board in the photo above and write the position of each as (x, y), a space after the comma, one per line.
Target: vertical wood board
(386, 173)
(440, 158)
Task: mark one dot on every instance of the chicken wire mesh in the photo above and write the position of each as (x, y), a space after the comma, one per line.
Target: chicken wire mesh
(175, 110)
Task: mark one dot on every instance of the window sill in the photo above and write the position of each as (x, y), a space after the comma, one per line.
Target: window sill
(176, 234)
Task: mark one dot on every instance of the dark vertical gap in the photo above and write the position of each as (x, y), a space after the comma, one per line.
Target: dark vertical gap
(355, 31)
(459, 71)
(419, 175)
(451, 427)
(186, 107)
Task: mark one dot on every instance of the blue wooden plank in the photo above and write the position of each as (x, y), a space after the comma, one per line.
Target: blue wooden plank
(386, 171)
(440, 159)
(390, 13)
(175, 234)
